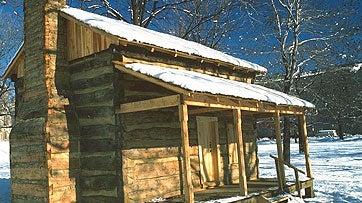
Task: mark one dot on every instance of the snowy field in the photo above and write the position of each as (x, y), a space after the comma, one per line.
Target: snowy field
(4, 172)
(336, 165)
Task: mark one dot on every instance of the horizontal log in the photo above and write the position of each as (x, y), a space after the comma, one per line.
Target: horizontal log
(106, 163)
(164, 168)
(106, 120)
(151, 188)
(29, 189)
(153, 116)
(100, 95)
(29, 127)
(144, 153)
(145, 135)
(157, 103)
(99, 198)
(29, 173)
(98, 131)
(97, 145)
(27, 156)
(145, 126)
(20, 198)
(91, 82)
(99, 182)
(91, 112)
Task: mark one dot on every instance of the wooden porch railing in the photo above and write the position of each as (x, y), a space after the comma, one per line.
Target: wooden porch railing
(281, 180)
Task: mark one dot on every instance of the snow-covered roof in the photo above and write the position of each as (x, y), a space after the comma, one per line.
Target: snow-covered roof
(198, 82)
(139, 34)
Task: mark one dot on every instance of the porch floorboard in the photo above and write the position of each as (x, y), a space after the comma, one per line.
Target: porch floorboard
(261, 187)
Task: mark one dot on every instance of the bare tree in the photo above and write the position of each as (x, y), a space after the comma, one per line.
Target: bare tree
(297, 35)
(10, 38)
(209, 22)
(137, 12)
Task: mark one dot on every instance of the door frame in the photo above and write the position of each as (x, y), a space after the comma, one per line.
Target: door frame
(216, 156)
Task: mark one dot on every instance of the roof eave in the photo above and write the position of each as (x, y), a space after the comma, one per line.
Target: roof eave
(10, 67)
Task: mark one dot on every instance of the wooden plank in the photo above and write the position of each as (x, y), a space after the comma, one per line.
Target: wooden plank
(226, 102)
(157, 103)
(120, 66)
(204, 110)
(279, 147)
(188, 188)
(309, 191)
(241, 160)
(306, 151)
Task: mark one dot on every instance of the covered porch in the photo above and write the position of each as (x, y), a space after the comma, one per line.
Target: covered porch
(263, 102)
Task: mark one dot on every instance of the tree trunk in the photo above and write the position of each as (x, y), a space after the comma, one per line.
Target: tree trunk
(286, 140)
(339, 128)
(301, 137)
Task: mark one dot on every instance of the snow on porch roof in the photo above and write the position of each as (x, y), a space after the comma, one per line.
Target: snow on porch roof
(198, 82)
(142, 35)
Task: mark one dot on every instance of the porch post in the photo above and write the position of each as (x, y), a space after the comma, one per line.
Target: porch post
(188, 188)
(279, 148)
(241, 160)
(309, 192)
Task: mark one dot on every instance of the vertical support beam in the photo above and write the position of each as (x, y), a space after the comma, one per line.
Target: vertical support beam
(188, 188)
(300, 135)
(309, 192)
(279, 147)
(241, 159)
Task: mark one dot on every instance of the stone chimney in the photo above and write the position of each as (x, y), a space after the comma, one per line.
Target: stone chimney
(40, 140)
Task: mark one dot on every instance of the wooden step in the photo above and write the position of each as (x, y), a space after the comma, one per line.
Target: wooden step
(282, 198)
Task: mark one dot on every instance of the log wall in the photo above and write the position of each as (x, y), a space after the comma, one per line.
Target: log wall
(93, 99)
(151, 146)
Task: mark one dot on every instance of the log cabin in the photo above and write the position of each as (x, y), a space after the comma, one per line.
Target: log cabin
(111, 112)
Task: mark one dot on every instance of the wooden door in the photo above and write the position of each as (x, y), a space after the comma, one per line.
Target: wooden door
(209, 150)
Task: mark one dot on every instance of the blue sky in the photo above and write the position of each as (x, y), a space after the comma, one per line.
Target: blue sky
(250, 39)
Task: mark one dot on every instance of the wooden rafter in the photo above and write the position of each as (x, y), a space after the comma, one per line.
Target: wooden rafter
(157, 103)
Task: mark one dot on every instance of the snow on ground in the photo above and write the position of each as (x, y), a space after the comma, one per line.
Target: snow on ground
(4, 172)
(336, 166)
